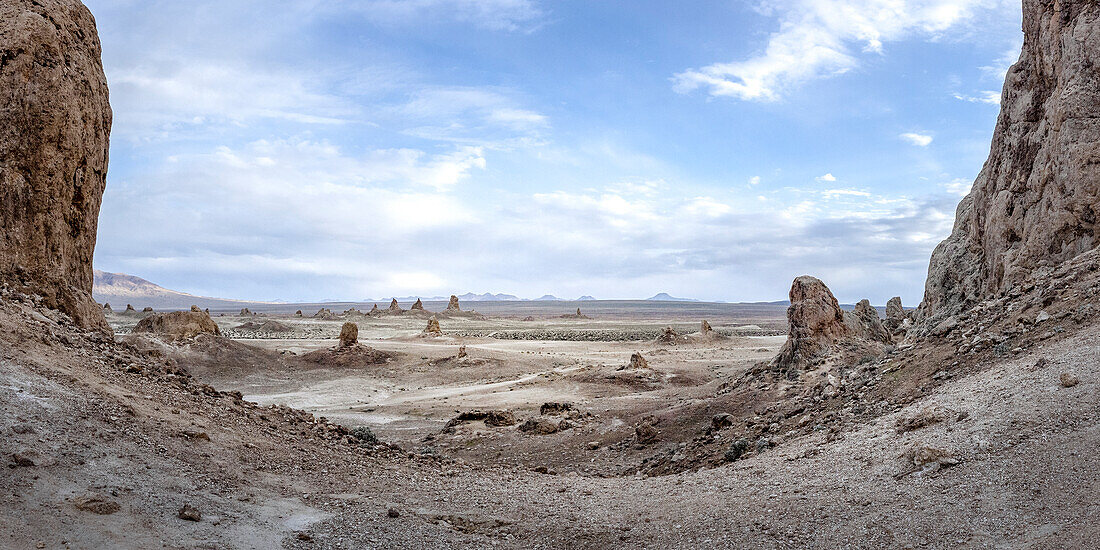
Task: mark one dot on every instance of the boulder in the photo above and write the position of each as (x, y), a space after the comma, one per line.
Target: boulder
(178, 325)
(1036, 202)
(55, 123)
(349, 335)
(452, 305)
(638, 362)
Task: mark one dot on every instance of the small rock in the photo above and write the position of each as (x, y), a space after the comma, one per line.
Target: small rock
(1042, 316)
(1068, 380)
(97, 504)
(737, 448)
(393, 513)
(189, 513)
(20, 460)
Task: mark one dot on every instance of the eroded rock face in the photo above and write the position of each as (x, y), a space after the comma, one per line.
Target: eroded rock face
(1036, 202)
(433, 327)
(178, 325)
(865, 323)
(394, 308)
(452, 305)
(418, 306)
(815, 322)
(55, 122)
(349, 335)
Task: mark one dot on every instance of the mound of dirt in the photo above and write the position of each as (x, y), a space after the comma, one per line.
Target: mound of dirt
(355, 355)
(268, 326)
(178, 325)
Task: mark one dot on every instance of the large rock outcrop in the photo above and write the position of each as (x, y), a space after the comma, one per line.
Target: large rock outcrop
(1036, 202)
(816, 323)
(55, 121)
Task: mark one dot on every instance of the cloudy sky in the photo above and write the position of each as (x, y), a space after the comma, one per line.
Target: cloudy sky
(346, 149)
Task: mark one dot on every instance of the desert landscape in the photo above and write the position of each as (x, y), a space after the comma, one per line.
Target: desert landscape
(139, 417)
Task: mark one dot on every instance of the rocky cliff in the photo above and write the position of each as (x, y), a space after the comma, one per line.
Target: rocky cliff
(1036, 201)
(55, 121)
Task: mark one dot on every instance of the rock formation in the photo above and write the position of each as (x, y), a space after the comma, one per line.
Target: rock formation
(638, 362)
(1036, 202)
(394, 308)
(452, 305)
(816, 322)
(670, 337)
(107, 307)
(298, 313)
(418, 306)
(704, 328)
(324, 313)
(433, 327)
(246, 311)
(349, 335)
(55, 123)
(193, 308)
(147, 309)
(374, 310)
(178, 325)
(896, 320)
(130, 309)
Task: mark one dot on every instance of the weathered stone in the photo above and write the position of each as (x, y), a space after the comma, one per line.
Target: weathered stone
(815, 322)
(418, 306)
(1068, 380)
(865, 323)
(433, 327)
(394, 308)
(193, 308)
(638, 362)
(55, 122)
(349, 335)
(1036, 201)
(452, 305)
(704, 328)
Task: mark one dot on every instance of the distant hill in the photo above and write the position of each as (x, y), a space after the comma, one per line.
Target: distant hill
(487, 297)
(664, 297)
(585, 298)
(548, 298)
(119, 289)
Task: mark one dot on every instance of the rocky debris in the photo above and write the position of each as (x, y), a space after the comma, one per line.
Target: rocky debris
(556, 408)
(432, 329)
(1068, 380)
(394, 308)
(541, 426)
(355, 355)
(926, 459)
(638, 362)
(270, 327)
(363, 435)
(246, 311)
(96, 504)
(492, 418)
(817, 324)
(925, 417)
(1035, 203)
(55, 123)
(417, 306)
(721, 420)
(349, 335)
(178, 325)
(736, 449)
(452, 305)
(189, 513)
(646, 431)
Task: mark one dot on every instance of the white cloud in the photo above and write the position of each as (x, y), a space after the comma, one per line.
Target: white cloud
(920, 140)
(755, 180)
(958, 187)
(988, 96)
(500, 15)
(826, 177)
(822, 38)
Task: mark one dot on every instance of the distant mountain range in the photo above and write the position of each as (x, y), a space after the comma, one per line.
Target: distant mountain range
(119, 289)
(664, 297)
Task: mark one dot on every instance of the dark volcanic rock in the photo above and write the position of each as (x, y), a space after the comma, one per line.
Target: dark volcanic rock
(55, 123)
(1036, 202)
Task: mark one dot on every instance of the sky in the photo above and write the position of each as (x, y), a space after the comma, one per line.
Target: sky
(306, 150)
